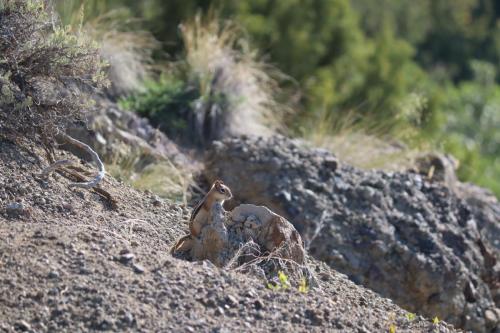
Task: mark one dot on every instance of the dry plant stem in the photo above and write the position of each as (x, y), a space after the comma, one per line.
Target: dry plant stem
(98, 190)
(95, 157)
(54, 166)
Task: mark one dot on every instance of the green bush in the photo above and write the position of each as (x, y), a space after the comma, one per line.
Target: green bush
(472, 126)
(167, 102)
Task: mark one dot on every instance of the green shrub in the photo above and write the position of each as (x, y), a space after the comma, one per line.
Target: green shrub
(167, 102)
(472, 126)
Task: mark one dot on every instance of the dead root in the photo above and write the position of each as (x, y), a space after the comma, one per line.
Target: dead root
(66, 168)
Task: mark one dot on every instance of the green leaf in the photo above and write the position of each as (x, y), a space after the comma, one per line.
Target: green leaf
(410, 316)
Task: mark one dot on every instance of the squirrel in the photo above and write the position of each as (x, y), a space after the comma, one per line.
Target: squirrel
(200, 215)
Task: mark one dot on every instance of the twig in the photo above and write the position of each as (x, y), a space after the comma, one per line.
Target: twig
(98, 190)
(54, 166)
(317, 230)
(102, 171)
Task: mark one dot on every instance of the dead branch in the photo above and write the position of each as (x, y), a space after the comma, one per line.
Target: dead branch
(98, 190)
(54, 166)
(102, 171)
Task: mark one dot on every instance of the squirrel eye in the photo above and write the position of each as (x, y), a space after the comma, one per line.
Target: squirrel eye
(222, 190)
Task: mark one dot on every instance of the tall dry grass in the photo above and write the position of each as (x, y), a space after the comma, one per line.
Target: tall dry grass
(368, 143)
(233, 82)
(123, 43)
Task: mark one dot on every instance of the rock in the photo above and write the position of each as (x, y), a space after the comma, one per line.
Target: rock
(17, 209)
(22, 326)
(492, 317)
(258, 304)
(126, 258)
(53, 275)
(128, 319)
(138, 268)
(231, 300)
(115, 133)
(409, 238)
(225, 235)
(271, 231)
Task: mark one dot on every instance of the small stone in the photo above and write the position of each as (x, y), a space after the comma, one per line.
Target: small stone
(53, 275)
(156, 201)
(251, 293)
(53, 291)
(219, 311)
(285, 195)
(16, 209)
(138, 268)
(258, 304)
(231, 300)
(22, 326)
(491, 318)
(128, 319)
(330, 162)
(67, 206)
(125, 258)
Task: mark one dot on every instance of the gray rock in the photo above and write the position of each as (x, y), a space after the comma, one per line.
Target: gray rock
(248, 231)
(138, 268)
(125, 258)
(410, 239)
(16, 209)
(22, 326)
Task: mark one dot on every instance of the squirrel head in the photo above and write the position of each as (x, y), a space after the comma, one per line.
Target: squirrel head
(221, 191)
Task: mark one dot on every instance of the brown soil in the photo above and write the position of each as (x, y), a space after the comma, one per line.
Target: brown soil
(69, 262)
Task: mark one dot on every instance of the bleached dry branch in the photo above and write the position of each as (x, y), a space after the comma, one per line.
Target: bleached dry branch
(102, 171)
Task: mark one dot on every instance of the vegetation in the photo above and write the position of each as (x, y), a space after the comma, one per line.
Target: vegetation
(219, 88)
(390, 71)
(161, 177)
(42, 70)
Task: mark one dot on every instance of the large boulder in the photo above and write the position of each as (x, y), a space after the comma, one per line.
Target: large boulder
(409, 238)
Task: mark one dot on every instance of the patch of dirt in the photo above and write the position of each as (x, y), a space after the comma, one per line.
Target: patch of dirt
(69, 262)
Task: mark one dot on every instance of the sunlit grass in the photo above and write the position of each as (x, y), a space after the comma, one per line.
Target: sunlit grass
(227, 71)
(161, 176)
(367, 143)
(123, 43)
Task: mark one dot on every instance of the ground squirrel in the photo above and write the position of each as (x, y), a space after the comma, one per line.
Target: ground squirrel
(217, 193)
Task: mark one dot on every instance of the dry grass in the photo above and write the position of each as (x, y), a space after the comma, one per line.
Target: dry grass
(369, 143)
(123, 43)
(270, 264)
(229, 74)
(159, 176)
(366, 151)
(129, 52)
(40, 67)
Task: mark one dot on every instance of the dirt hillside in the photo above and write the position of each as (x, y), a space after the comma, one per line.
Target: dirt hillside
(70, 262)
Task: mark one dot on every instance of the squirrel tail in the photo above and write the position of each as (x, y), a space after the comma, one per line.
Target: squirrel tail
(182, 245)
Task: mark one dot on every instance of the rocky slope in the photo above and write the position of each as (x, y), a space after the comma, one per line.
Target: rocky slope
(70, 262)
(115, 133)
(408, 238)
